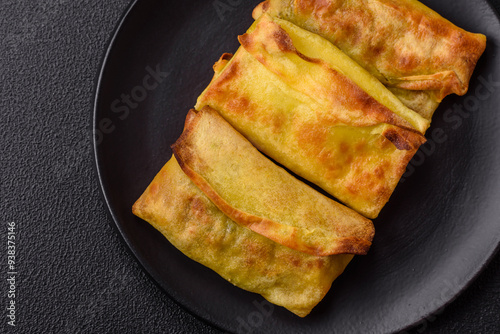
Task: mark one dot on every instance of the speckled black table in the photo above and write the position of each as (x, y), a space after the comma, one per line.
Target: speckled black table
(73, 274)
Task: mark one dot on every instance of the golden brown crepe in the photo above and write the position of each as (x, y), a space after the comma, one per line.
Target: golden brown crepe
(254, 192)
(420, 56)
(305, 104)
(308, 63)
(189, 220)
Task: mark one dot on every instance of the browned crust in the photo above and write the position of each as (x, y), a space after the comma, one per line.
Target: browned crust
(283, 234)
(404, 139)
(260, 8)
(222, 62)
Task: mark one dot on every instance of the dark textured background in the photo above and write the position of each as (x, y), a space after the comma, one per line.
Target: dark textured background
(74, 273)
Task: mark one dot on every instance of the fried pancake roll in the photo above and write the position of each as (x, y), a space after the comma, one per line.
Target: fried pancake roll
(256, 193)
(420, 56)
(192, 223)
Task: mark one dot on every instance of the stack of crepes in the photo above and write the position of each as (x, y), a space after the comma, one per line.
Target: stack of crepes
(340, 93)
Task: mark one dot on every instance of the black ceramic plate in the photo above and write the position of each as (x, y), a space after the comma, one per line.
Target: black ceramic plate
(437, 232)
